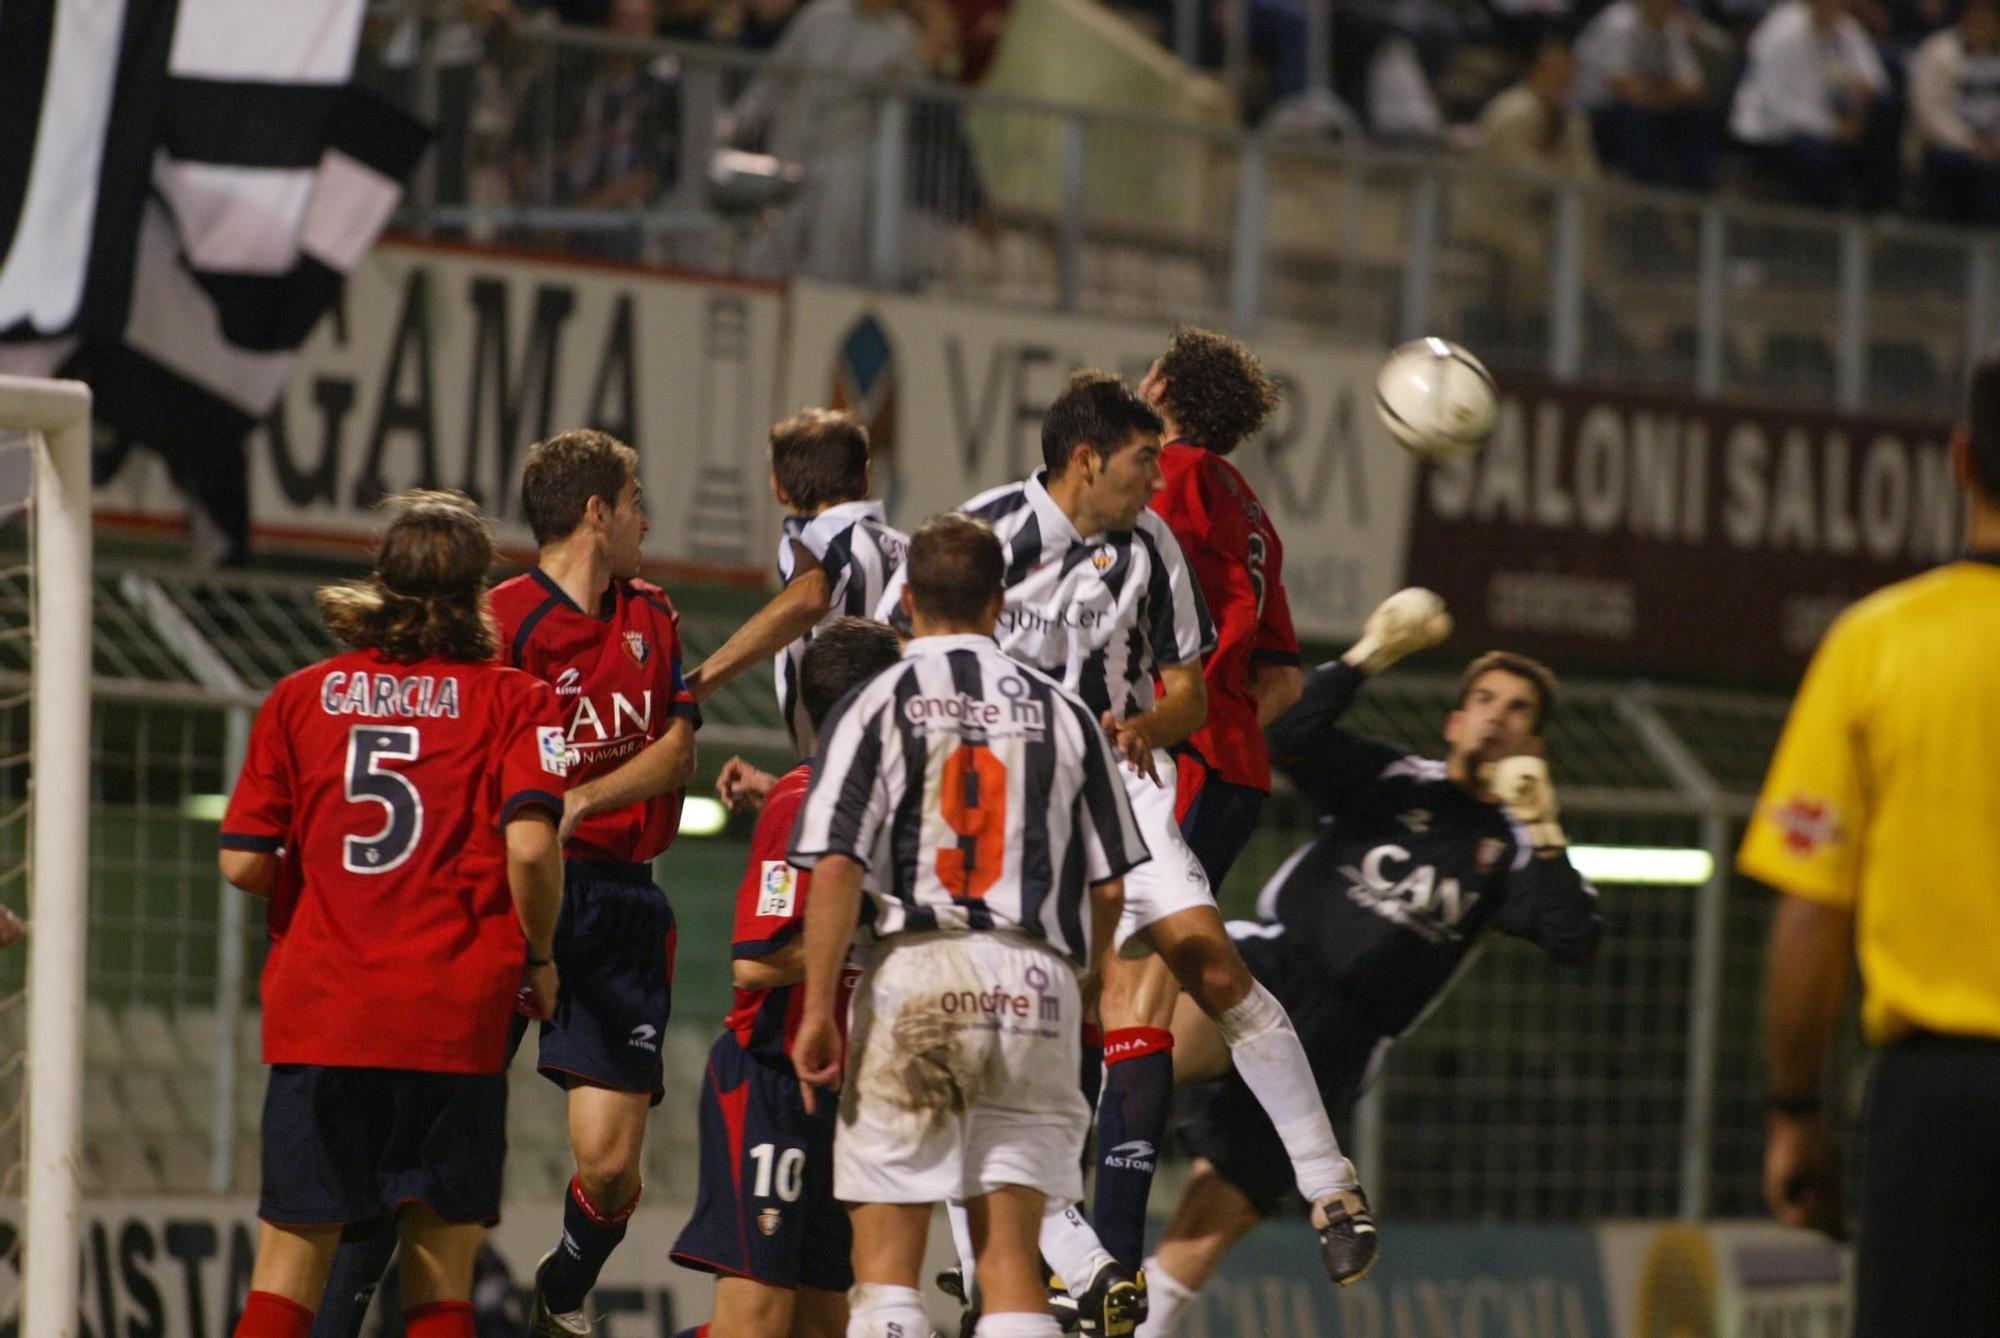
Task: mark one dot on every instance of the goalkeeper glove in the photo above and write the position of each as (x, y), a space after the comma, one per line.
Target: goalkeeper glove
(1409, 620)
(1521, 783)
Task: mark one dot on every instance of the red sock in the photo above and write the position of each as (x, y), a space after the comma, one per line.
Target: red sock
(269, 1315)
(440, 1319)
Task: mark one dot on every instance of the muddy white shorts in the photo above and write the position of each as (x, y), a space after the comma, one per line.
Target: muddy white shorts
(1172, 880)
(961, 1072)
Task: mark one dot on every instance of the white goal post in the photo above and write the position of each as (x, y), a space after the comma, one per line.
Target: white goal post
(58, 413)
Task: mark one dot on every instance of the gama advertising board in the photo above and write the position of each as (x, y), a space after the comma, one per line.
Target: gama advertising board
(444, 363)
(955, 395)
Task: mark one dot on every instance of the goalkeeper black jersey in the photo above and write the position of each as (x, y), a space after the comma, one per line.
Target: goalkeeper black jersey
(1408, 869)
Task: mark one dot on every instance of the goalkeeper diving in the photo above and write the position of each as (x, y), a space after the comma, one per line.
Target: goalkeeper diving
(1361, 931)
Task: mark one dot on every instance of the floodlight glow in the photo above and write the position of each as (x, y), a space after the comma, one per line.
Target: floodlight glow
(1643, 864)
(204, 807)
(701, 816)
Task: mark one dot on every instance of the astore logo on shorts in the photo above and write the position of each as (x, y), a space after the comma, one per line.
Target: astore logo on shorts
(1136, 1155)
(646, 1036)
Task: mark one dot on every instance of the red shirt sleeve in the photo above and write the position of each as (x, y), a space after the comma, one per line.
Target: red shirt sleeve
(534, 771)
(680, 702)
(260, 810)
(771, 900)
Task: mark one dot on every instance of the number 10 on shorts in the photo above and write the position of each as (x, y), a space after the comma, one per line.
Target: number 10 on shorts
(791, 1170)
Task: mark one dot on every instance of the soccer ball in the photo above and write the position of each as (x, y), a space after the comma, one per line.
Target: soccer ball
(1436, 399)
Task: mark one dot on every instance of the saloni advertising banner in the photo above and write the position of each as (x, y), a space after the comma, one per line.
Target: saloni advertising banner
(1662, 533)
(955, 395)
(444, 363)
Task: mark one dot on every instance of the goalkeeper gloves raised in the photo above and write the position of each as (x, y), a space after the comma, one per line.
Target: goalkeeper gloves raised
(1407, 621)
(1521, 783)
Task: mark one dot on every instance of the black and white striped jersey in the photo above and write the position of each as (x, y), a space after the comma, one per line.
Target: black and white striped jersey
(859, 550)
(979, 795)
(1100, 614)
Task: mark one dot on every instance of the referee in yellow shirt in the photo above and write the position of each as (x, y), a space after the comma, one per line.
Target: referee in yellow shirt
(1880, 824)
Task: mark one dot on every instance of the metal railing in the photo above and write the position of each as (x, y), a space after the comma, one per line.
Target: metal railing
(999, 199)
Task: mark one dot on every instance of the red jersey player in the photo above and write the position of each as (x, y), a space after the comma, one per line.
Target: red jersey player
(408, 791)
(1212, 394)
(609, 644)
(766, 1222)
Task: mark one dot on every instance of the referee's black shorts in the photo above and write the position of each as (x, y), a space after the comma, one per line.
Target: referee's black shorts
(1928, 1258)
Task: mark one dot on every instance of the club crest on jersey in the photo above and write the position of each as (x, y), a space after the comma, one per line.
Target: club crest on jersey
(777, 888)
(1101, 558)
(767, 1221)
(638, 647)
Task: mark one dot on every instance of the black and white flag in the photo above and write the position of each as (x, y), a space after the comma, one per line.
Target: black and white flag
(190, 184)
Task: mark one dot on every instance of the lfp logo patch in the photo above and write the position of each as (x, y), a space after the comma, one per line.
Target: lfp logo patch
(778, 889)
(554, 749)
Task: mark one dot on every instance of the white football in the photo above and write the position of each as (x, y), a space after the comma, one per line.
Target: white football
(1436, 399)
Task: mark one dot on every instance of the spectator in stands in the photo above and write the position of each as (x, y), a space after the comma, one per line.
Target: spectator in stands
(755, 25)
(1522, 25)
(1640, 80)
(598, 132)
(1955, 121)
(1533, 124)
(827, 127)
(12, 930)
(1815, 103)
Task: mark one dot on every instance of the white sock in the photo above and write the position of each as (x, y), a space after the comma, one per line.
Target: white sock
(961, 1240)
(1017, 1324)
(877, 1310)
(1165, 1299)
(1275, 1069)
(1071, 1246)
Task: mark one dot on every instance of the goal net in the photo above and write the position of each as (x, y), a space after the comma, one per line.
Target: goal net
(45, 671)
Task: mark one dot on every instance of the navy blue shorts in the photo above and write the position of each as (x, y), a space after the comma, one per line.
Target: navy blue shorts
(615, 955)
(348, 1144)
(765, 1210)
(1231, 1128)
(1216, 816)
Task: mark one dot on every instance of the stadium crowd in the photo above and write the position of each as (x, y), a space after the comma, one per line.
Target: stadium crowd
(1874, 104)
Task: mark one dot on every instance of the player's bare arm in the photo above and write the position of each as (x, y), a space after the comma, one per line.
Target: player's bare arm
(1811, 947)
(786, 966)
(252, 871)
(1275, 688)
(790, 614)
(534, 879)
(1179, 712)
(662, 766)
(832, 913)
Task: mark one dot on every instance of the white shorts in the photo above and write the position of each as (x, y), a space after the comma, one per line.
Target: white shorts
(962, 1064)
(1172, 880)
